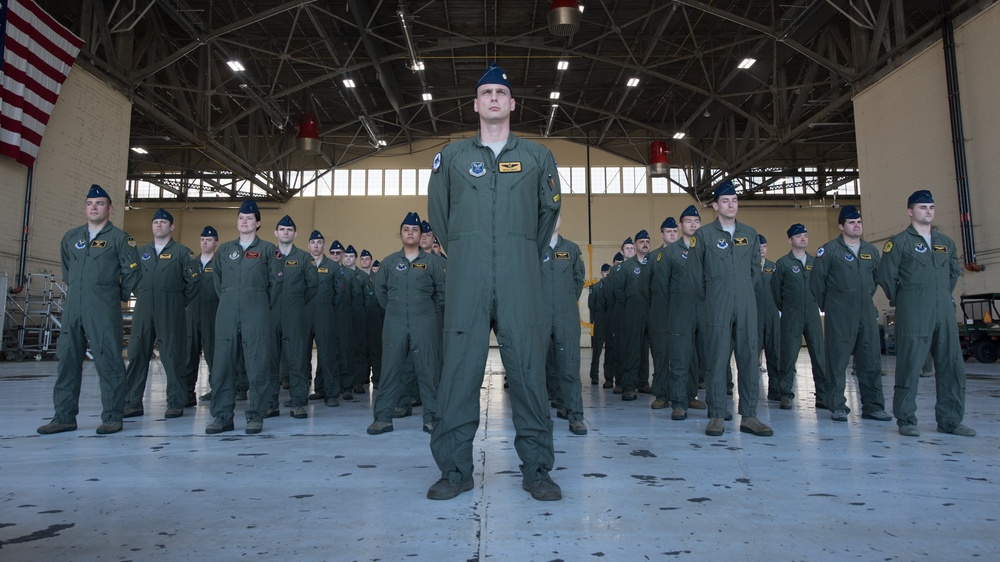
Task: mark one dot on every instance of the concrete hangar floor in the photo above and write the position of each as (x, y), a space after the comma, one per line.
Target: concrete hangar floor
(638, 487)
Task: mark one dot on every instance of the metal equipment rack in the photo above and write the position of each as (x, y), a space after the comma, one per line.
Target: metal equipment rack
(33, 318)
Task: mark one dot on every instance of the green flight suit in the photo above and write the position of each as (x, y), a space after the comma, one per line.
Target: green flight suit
(769, 328)
(631, 287)
(598, 317)
(291, 318)
(374, 322)
(658, 276)
(919, 281)
(684, 338)
(344, 298)
(201, 324)
(724, 270)
(613, 335)
(323, 325)
(249, 284)
(170, 281)
(799, 317)
(354, 350)
(494, 216)
(843, 284)
(563, 276)
(413, 294)
(99, 274)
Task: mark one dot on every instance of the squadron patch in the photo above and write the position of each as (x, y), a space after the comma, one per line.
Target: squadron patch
(887, 247)
(820, 252)
(796, 269)
(722, 245)
(99, 244)
(546, 257)
(940, 249)
(235, 255)
(145, 256)
(637, 270)
(400, 266)
(80, 244)
(477, 170)
(920, 248)
(508, 167)
(849, 256)
(694, 240)
(420, 266)
(131, 242)
(685, 254)
(659, 256)
(741, 242)
(436, 166)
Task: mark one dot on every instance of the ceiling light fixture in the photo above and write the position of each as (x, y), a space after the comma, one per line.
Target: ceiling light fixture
(139, 150)
(562, 65)
(552, 119)
(746, 63)
(235, 66)
(348, 83)
(678, 135)
(632, 82)
(553, 95)
(427, 96)
(411, 49)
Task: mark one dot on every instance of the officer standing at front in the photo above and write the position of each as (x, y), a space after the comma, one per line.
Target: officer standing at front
(170, 281)
(563, 275)
(918, 272)
(724, 263)
(248, 278)
(493, 201)
(100, 268)
(799, 316)
(411, 287)
(291, 317)
(201, 313)
(843, 282)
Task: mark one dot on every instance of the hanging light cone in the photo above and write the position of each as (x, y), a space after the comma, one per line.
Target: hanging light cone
(308, 137)
(564, 17)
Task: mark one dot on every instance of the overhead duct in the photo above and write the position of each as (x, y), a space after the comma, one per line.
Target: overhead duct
(564, 17)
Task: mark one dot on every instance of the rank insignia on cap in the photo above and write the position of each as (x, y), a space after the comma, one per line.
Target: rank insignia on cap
(820, 252)
(420, 266)
(562, 255)
(507, 167)
(145, 256)
(165, 256)
(131, 241)
(865, 256)
(80, 244)
(940, 249)
(887, 247)
(849, 256)
(920, 248)
(400, 266)
(436, 166)
(722, 245)
(235, 255)
(741, 242)
(796, 269)
(477, 170)
(99, 244)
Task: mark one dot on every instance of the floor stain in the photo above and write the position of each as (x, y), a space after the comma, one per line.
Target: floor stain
(643, 453)
(51, 531)
(699, 500)
(595, 475)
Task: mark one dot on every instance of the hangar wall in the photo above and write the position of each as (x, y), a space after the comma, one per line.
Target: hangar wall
(904, 144)
(85, 142)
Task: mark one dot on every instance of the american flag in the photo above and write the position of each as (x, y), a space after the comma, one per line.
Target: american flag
(36, 53)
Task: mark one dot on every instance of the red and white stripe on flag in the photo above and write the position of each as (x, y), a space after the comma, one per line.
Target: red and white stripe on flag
(37, 54)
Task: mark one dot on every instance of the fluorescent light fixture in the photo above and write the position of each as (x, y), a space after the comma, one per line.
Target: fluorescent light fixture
(382, 142)
(562, 65)
(348, 83)
(678, 136)
(553, 95)
(418, 65)
(428, 97)
(235, 66)
(632, 82)
(139, 150)
(746, 63)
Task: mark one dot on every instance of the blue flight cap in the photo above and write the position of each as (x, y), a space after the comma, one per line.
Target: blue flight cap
(761, 240)
(605, 267)
(627, 242)
(425, 227)
(160, 214)
(724, 188)
(641, 235)
(316, 235)
(286, 221)
(436, 241)
(210, 232)
(796, 228)
(249, 207)
(336, 246)
(366, 253)
(920, 196)
(412, 219)
(376, 263)
(97, 191)
(494, 75)
(350, 250)
(668, 222)
(848, 212)
(619, 257)
(691, 211)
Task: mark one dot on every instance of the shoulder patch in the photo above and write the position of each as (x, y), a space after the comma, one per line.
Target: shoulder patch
(694, 240)
(131, 241)
(820, 251)
(436, 166)
(887, 247)
(659, 256)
